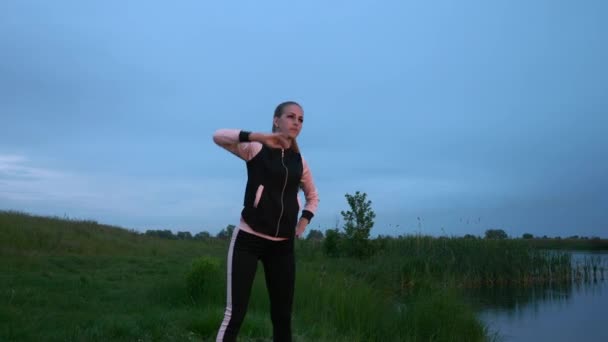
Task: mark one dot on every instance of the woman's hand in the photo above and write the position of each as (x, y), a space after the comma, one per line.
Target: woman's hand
(273, 140)
(301, 227)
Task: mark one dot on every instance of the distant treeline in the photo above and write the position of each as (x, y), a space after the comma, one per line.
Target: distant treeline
(574, 242)
(167, 234)
(571, 243)
(223, 234)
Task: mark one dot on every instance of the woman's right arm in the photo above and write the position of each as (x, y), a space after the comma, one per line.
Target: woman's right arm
(237, 142)
(246, 145)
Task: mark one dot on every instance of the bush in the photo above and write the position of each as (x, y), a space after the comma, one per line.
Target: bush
(203, 273)
(359, 248)
(330, 244)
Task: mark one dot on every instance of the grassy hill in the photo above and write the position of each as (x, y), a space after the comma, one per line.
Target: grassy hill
(24, 234)
(69, 280)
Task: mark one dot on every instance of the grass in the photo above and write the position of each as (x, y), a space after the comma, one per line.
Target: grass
(71, 280)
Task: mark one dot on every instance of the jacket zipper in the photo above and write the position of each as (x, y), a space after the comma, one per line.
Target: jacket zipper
(282, 192)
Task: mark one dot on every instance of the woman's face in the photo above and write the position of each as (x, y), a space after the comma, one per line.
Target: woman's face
(290, 122)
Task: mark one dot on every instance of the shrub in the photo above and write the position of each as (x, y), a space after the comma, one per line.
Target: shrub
(330, 244)
(203, 273)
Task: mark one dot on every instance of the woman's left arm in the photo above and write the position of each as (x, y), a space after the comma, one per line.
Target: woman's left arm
(312, 199)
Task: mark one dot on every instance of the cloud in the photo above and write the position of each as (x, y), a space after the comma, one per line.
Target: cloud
(123, 200)
(20, 180)
(13, 167)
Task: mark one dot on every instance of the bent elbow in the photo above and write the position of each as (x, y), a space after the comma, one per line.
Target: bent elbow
(218, 137)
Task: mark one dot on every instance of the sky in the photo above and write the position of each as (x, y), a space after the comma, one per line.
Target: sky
(454, 117)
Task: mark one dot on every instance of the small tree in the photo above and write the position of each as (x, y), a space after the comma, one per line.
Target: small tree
(315, 235)
(226, 233)
(358, 222)
(230, 229)
(527, 236)
(222, 234)
(496, 234)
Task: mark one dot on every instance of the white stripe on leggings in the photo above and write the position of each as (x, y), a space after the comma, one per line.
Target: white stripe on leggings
(228, 312)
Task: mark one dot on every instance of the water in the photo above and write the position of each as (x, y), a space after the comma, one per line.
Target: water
(577, 311)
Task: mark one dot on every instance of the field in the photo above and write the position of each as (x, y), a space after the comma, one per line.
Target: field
(70, 280)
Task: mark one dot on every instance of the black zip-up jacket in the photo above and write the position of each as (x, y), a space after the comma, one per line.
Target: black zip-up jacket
(274, 178)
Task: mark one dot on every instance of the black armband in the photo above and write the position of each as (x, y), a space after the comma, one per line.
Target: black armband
(244, 136)
(307, 215)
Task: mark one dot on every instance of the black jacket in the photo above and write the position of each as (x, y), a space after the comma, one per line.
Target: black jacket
(275, 177)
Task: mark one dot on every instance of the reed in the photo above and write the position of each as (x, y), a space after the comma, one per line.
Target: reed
(408, 262)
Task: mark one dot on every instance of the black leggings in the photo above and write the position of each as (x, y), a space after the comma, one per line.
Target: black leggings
(279, 268)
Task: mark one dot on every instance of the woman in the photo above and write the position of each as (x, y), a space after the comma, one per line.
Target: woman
(269, 220)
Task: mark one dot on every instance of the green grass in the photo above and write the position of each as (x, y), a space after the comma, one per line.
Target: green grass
(69, 280)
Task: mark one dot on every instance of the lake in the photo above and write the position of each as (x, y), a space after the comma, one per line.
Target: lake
(576, 311)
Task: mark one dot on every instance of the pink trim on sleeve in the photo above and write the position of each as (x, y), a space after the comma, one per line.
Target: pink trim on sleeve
(310, 191)
(229, 139)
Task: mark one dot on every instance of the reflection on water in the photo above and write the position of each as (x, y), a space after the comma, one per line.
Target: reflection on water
(559, 311)
(513, 298)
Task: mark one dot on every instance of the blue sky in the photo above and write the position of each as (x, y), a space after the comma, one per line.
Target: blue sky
(469, 115)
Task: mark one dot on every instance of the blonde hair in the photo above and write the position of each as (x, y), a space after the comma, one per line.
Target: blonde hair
(277, 114)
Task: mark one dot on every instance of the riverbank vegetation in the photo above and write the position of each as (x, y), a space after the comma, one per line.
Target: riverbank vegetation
(76, 280)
